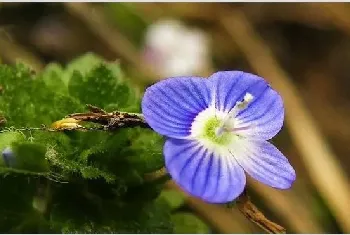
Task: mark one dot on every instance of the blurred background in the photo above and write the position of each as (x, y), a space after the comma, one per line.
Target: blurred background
(302, 49)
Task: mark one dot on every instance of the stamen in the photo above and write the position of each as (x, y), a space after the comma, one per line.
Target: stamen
(243, 128)
(240, 105)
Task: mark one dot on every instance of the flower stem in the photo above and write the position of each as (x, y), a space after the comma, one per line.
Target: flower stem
(250, 211)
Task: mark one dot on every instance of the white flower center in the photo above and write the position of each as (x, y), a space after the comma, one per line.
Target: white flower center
(216, 129)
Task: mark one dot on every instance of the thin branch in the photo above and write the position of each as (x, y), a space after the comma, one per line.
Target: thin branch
(108, 122)
(250, 211)
(111, 121)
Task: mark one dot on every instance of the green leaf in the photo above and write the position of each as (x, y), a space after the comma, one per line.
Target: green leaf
(101, 87)
(98, 87)
(7, 138)
(31, 157)
(85, 63)
(174, 198)
(93, 180)
(148, 147)
(29, 102)
(52, 77)
(185, 223)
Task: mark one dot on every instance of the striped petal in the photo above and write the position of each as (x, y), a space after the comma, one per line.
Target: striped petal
(213, 177)
(171, 105)
(263, 118)
(264, 162)
(228, 87)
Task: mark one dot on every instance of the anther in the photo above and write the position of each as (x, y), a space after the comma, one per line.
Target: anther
(240, 105)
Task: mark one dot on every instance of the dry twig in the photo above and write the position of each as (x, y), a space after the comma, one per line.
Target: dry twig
(110, 121)
(250, 211)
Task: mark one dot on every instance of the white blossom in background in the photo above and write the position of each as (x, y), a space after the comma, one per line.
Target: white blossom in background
(173, 49)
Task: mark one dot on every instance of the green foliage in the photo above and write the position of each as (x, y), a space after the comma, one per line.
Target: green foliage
(185, 223)
(174, 198)
(76, 182)
(30, 157)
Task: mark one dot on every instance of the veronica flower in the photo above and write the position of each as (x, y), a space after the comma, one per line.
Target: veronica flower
(217, 130)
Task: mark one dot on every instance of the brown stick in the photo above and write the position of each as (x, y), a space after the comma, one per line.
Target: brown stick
(110, 121)
(250, 211)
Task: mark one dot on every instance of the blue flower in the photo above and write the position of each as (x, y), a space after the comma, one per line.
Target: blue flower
(217, 128)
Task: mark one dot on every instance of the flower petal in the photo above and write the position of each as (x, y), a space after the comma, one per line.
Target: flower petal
(264, 116)
(170, 106)
(264, 162)
(230, 86)
(210, 176)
